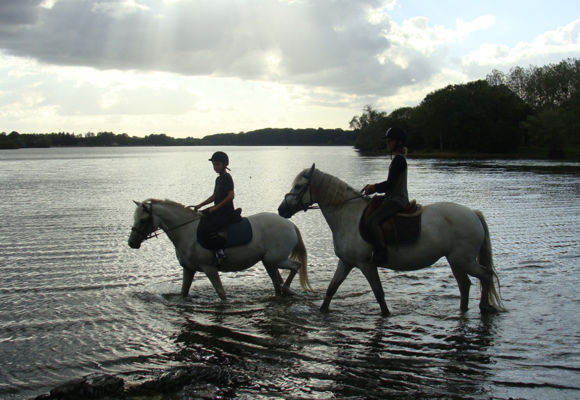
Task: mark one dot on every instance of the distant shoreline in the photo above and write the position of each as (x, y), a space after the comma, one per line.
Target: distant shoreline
(419, 154)
(285, 137)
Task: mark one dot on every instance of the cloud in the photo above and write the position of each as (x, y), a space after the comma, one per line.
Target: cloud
(557, 44)
(332, 44)
(18, 12)
(213, 66)
(70, 91)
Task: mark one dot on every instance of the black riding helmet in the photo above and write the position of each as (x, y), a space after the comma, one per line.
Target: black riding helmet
(220, 156)
(395, 133)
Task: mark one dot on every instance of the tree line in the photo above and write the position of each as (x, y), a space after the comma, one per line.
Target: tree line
(533, 112)
(262, 137)
(526, 112)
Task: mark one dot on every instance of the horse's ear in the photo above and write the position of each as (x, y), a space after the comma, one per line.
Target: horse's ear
(311, 170)
(137, 203)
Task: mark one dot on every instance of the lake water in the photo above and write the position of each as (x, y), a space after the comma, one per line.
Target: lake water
(76, 300)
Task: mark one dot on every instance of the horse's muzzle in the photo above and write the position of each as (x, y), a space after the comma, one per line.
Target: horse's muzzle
(134, 242)
(284, 211)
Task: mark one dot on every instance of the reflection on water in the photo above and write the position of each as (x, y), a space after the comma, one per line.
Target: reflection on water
(76, 300)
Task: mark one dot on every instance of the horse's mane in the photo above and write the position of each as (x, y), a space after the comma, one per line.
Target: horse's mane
(175, 204)
(334, 189)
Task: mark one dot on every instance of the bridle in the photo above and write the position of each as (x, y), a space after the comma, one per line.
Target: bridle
(148, 208)
(300, 194)
(308, 187)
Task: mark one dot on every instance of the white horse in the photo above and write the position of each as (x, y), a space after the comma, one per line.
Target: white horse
(275, 241)
(447, 230)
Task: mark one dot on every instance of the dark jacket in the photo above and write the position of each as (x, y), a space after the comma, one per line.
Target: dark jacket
(395, 187)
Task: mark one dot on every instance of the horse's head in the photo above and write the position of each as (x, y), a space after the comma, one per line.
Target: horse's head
(300, 195)
(143, 225)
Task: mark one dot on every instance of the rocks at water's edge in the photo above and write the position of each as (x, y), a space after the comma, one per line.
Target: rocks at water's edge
(196, 378)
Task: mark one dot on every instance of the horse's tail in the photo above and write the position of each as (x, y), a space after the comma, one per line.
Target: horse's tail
(485, 258)
(300, 255)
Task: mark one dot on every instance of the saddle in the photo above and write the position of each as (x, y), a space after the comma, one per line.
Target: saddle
(402, 228)
(235, 234)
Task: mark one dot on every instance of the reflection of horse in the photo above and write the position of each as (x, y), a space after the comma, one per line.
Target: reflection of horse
(447, 230)
(275, 241)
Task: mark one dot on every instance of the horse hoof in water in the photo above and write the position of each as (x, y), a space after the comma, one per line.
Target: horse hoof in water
(488, 309)
(286, 292)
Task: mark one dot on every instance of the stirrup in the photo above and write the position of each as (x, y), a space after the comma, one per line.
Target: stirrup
(220, 255)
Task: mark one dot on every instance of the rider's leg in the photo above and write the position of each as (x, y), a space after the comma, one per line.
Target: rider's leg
(208, 229)
(384, 211)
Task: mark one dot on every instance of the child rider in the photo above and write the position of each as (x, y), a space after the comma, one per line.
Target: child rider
(222, 212)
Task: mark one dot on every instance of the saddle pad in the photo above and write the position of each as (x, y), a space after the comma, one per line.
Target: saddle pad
(235, 234)
(401, 228)
(238, 233)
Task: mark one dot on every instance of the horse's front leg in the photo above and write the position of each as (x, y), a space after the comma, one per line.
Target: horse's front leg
(214, 277)
(372, 274)
(187, 280)
(342, 271)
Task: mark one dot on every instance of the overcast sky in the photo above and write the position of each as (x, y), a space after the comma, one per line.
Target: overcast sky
(198, 67)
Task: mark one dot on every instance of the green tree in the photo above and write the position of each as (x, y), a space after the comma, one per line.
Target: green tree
(541, 87)
(474, 117)
(370, 127)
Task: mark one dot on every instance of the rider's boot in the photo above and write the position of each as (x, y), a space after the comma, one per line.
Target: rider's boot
(380, 253)
(220, 255)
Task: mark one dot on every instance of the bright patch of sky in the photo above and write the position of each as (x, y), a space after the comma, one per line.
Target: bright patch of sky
(192, 68)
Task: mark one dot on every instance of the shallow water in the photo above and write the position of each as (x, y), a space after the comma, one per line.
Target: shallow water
(77, 300)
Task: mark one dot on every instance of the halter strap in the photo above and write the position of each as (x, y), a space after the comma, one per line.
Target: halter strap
(155, 233)
(308, 187)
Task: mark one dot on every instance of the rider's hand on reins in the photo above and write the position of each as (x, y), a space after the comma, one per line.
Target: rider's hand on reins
(368, 189)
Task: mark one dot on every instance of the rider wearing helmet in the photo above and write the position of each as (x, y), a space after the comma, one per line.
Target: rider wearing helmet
(222, 212)
(395, 188)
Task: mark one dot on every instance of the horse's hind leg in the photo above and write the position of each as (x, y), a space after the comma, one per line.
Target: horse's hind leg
(275, 277)
(372, 274)
(485, 276)
(214, 277)
(342, 271)
(286, 288)
(464, 284)
(293, 266)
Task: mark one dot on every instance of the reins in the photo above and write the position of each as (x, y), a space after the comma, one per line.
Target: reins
(156, 233)
(308, 188)
(313, 207)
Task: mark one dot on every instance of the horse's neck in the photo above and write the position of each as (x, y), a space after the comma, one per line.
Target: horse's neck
(168, 214)
(340, 204)
(328, 190)
(172, 216)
